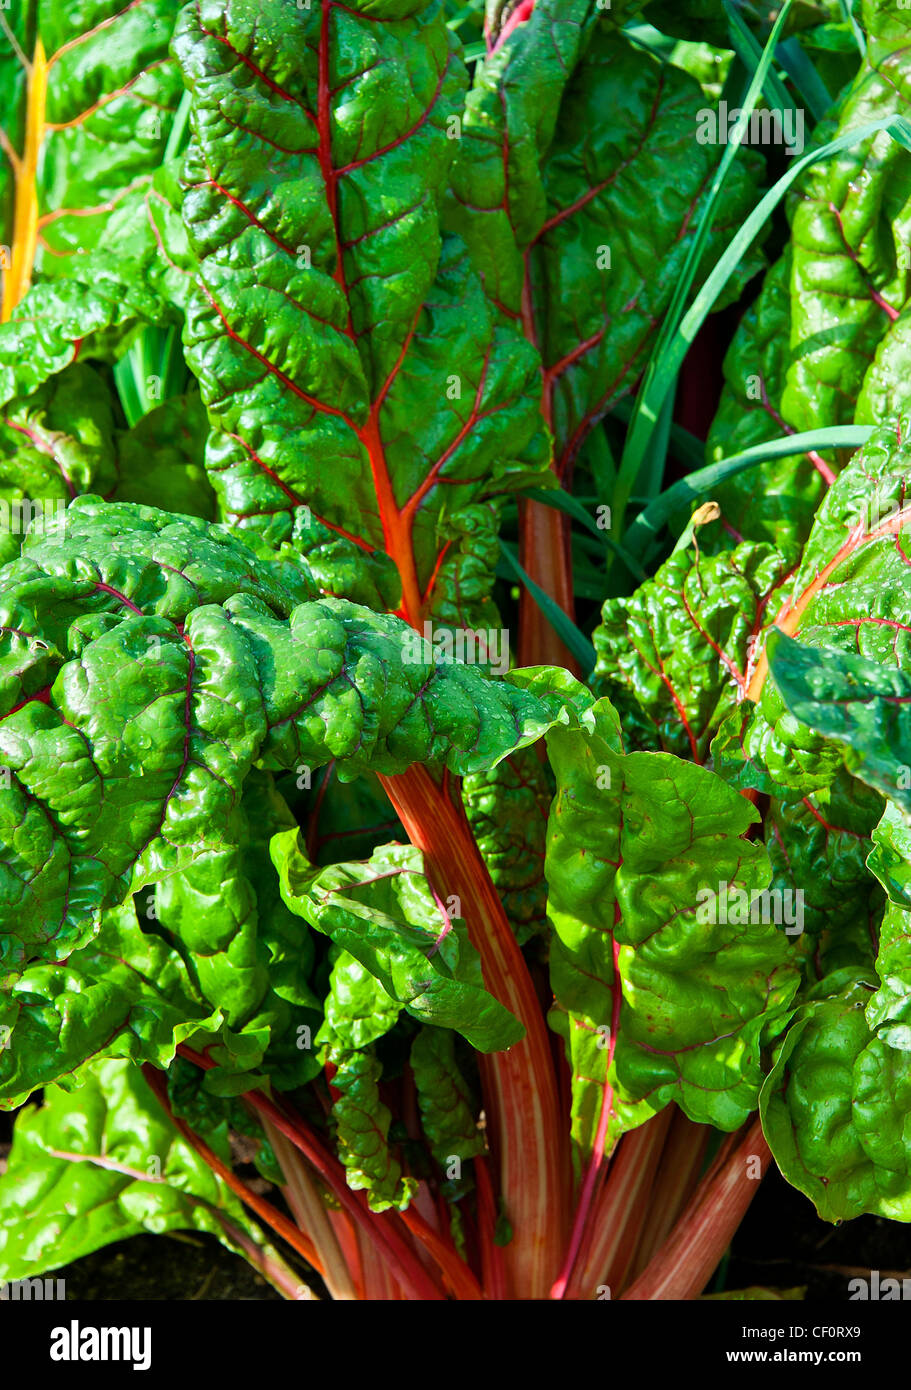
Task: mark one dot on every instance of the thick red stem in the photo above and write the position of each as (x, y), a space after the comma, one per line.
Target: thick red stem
(620, 1209)
(598, 1161)
(688, 1258)
(264, 1210)
(519, 1085)
(398, 1252)
(678, 1177)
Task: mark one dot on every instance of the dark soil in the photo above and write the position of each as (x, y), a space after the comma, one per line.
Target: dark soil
(166, 1268)
(782, 1243)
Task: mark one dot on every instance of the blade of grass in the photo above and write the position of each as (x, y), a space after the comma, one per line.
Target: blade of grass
(806, 79)
(647, 525)
(666, 358)
(847, 9)
(651, 471)
(749, 51)
(679, 342)
(574, 640)
(688, 448)
(179, 126)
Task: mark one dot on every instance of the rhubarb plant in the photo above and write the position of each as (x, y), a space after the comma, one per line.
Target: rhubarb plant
(422, 756)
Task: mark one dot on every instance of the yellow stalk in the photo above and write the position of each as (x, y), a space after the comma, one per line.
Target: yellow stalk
(25, 222)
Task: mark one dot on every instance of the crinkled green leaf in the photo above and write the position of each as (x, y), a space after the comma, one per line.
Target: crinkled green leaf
(600, 274)
(507, 808)
(835, 1110)
(249, 954)
(639, 848)
(345, 350)
(123, 994)
(848, 226)
(449, 1110)
(362, 1133)
(818, 847)
(781, 511)
(675, 656)
(147, 662)
(384, 913)
(359, 1012)
(498, 198)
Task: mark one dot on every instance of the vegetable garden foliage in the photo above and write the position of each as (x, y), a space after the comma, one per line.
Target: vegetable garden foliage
(323, 327)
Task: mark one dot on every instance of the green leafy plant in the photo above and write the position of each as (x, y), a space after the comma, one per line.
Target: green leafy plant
(367, 362)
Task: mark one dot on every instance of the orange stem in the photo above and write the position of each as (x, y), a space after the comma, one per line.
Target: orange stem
(519, 1084)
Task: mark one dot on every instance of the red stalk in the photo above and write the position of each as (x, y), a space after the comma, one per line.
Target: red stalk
(545, 554)
(678, 1177)
(311, 1216)
(545, 546)
(519, 1085)
(620, 1209)
(492, 1272)
(279, 1275)
(397, 1250)
(456, 1274)
(264, 1210)
(598, 1160)
(346, 1235)
(688, 1258)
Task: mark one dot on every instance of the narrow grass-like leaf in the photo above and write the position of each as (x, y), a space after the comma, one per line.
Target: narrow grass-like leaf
(806, 79)
(574, 640)
(749, 51)
(660, 378)
(648, 524)
(666, 359)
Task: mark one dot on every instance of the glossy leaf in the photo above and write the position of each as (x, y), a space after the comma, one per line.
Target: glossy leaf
(660, 1003)
(675, 657)
(344, 347)
(384, 914)
(100, 1165)
(219, 662)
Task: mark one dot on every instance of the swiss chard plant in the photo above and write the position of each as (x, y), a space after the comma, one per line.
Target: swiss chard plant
(454, 750)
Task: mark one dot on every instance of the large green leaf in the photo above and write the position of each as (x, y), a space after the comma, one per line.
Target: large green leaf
(147, 662)
(385, 914)
(100, 1165)
(835, 1109)
(657, 1001)
(347, 355)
